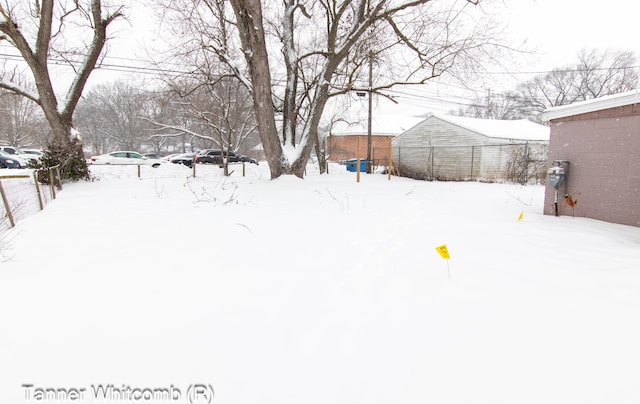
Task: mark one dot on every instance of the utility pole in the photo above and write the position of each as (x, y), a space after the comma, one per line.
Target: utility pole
(369, 162)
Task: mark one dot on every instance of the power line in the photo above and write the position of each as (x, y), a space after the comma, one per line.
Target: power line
(107, 66)
(155, 70)
(406, 95)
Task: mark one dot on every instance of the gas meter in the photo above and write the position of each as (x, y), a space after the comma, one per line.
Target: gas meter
(556, 176)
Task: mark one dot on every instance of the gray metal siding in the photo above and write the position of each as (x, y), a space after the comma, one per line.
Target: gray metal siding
(413, 150)
(434, 132)
(436, 149)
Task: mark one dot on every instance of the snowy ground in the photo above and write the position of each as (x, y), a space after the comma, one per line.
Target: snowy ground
(320, 290)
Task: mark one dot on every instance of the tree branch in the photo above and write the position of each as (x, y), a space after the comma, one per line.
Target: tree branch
(162, 126)
(20, 91)
(91, 59)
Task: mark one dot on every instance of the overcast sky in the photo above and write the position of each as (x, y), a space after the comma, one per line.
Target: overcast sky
(562, 27)
(558, 29)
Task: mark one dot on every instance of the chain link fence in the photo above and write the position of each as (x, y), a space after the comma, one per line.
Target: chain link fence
(23, 195)
(517, 163)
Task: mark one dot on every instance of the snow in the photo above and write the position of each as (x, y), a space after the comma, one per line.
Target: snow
(382, 124)
(320, 290)
(290, 152)
(520, 129)
(399, 122)
(591, 105)
(19, 89)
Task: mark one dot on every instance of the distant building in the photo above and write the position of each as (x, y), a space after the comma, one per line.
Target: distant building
(345, 146)
(444, 147)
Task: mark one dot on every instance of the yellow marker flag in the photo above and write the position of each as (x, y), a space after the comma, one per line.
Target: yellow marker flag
(521, 216)
(442, 250)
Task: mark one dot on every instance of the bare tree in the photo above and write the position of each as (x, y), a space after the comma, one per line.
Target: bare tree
(219, 111)
(215, 108)
(21, 121)
(91, 122)
(213, 114)
(299, 54)
(604, 73)
(157, 106)
(597, 73)
(593, 75)
(37, 30)
(111, 115)
(493, 106)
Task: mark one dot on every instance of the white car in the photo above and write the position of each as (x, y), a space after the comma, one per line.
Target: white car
(124, 158)
(19, 153)
(34, 153)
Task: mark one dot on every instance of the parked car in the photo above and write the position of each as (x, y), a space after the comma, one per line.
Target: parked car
(185, 158)
(156, 156)
(124, 157)
(247, 159)
(216, 156)
(10, 161)
(168, 158)
(17, 152)
(35, 153)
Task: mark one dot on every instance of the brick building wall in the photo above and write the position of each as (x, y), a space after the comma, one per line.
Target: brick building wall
(345, 147)
(603, 149)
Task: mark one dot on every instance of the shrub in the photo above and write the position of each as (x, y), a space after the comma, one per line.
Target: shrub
(70, 158)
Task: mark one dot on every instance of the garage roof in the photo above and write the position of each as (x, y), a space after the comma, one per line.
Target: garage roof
(518, 129)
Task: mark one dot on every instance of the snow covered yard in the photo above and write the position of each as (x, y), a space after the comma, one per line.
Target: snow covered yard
(320, 290)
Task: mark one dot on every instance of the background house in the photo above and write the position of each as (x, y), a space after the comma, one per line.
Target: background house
(600, 139)
(345, 146)
(342, 140)
(444, 147)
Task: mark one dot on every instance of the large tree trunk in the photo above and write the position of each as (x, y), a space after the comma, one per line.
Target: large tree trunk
(250, 28)
(59, 119)
(249, 17)
(350, 23)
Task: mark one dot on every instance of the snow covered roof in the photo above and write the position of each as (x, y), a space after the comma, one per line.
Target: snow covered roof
(383, 124)
(519, 129)
(595, 104)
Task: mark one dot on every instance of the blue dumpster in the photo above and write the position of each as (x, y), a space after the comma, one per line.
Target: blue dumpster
(352, 165)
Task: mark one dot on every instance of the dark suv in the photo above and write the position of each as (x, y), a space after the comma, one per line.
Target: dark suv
(216, 156)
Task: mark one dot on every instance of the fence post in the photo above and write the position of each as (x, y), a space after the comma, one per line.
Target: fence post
(389, 154)
(358, 159)
(473, 149)
(59, 177)
(433, 153)
(52, 182)
(35, 181)
(6, 205)
(525, 165)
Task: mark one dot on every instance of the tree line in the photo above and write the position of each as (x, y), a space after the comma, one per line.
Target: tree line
(253, 74)
(595, 73)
